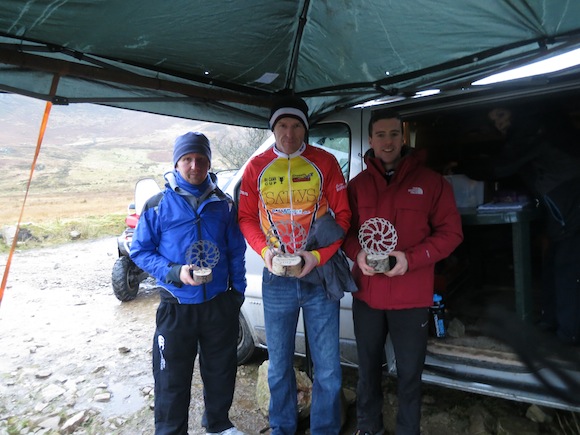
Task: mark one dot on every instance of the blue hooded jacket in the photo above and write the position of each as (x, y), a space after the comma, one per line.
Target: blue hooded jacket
(172, 221)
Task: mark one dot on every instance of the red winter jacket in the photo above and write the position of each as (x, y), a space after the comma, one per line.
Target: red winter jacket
(420, 204)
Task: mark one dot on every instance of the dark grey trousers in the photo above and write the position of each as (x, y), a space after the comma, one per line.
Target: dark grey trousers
(213, 326)
(409, 331)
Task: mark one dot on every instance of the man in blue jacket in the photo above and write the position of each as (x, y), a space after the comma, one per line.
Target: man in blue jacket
(192, 209)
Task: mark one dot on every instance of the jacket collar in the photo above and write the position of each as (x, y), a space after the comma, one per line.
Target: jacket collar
(289, 156)
(411, 158)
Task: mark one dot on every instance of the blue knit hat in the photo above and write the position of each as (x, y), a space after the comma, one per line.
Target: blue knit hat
(192, 142)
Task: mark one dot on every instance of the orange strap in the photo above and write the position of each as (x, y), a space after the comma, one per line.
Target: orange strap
(36, 153)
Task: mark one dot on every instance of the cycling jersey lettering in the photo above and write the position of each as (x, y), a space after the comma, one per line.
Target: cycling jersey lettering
(271, 181)
(298, 196)
(290, 211)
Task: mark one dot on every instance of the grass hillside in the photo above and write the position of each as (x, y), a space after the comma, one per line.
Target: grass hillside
(90, 158)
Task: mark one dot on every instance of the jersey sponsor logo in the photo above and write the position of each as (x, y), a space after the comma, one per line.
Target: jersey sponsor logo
(340, 186)
(298, 196)
(272, 181)
(291, 211)
(416, 191)
(299, 178)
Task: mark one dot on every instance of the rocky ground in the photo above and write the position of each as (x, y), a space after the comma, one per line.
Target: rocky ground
(73, 359)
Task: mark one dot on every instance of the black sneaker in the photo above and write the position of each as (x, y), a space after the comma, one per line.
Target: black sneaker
(544, 326)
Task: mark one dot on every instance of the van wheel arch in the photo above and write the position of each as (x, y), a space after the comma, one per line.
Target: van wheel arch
(246, 346)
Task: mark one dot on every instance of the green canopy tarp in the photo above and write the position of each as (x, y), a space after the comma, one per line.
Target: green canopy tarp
(222, 61)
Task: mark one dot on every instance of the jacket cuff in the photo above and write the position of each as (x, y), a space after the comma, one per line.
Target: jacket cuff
(173, 275)
(316, 254)
(263, 253)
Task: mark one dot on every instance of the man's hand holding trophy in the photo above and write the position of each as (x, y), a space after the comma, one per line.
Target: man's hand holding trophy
(285, 240)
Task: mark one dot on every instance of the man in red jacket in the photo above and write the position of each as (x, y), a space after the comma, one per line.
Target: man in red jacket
(419, 203)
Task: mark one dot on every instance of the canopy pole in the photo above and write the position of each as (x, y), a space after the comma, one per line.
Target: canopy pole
(53, 87)
(24, 60)
(291, 80)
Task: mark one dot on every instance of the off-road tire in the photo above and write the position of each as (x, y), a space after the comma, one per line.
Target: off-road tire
(245, 342)
(126, 279)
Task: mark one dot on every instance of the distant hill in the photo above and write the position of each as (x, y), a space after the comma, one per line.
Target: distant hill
(86, 143)
(88, 148)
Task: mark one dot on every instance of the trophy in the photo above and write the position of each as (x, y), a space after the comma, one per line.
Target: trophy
(286, 238)
(201, 257)
(378, 239)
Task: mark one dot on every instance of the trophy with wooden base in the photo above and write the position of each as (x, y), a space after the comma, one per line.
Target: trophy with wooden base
(378, 238)
(202, 256)
(286, 239)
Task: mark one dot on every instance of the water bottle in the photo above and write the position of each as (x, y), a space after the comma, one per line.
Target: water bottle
(438, 316)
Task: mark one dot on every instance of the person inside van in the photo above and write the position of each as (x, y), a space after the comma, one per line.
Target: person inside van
(174, 228)
(542, 148)
(293, 185)
(397, 186)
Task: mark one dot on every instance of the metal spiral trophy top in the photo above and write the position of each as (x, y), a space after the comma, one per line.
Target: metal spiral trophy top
(202, 256)
(378, 238)
(286, 237)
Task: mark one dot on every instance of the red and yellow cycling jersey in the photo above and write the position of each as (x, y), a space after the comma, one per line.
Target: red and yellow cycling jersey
(278, 188)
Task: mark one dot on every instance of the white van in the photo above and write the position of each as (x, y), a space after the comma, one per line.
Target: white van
(496, 266)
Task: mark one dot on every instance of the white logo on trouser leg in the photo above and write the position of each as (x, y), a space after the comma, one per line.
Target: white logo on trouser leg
(161, 344)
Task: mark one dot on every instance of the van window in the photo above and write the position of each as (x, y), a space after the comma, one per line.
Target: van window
(336, 139)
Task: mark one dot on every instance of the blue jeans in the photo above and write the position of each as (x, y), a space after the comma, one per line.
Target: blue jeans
(283, 297)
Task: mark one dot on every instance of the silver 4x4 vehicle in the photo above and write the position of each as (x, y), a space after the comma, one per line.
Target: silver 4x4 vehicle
(490, 285)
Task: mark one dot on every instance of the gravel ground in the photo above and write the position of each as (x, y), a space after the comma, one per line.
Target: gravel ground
(73, 359)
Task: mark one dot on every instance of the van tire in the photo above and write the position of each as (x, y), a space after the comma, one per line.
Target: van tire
(126, 278)
(245, 341)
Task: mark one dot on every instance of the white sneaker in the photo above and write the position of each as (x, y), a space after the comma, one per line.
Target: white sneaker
(231, 431)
